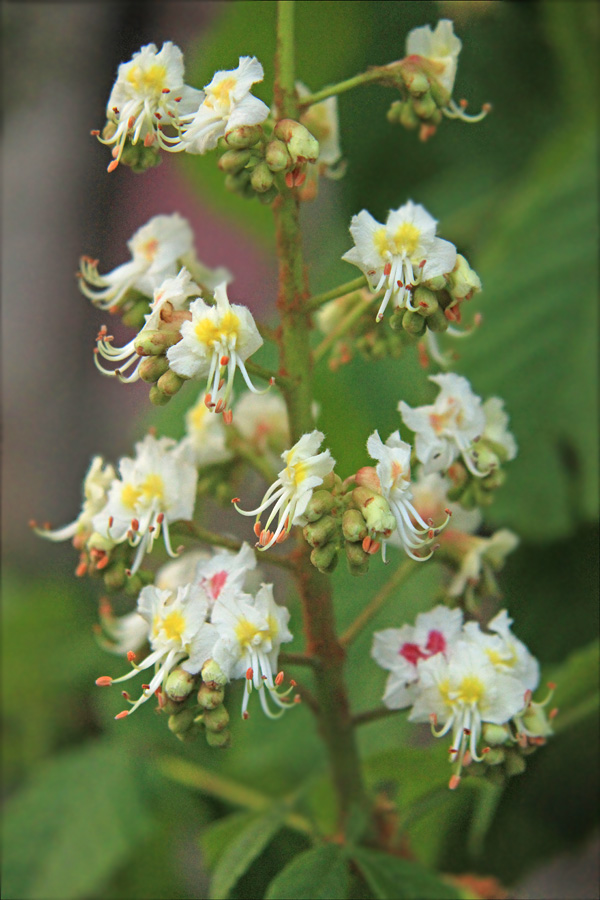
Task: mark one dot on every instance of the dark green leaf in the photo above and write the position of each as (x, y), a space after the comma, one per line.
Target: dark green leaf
(217, 836)
(243, 848)
(391, 878)
(317, 874)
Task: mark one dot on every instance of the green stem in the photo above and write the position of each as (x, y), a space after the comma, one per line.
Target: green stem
(218, 540)
(373, 715)
(314, 589)
(341, 87)
(381, 597)
(339, 291)
(256, 369)
(298, 659)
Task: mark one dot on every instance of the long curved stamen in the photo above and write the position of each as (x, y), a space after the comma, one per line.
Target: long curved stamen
(454, 111)
(246, 377)
(58, 534)
(266, 501)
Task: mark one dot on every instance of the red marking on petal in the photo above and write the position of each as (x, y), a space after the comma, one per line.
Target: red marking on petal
(412, 653)
(217, 583)
(436, 642)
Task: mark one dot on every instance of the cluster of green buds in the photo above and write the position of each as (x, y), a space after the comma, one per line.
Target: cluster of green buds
(139, 157)
(257, 163)
(472, 491)
(153, 345)
(187, 718)
(345, 517)
(510, 744)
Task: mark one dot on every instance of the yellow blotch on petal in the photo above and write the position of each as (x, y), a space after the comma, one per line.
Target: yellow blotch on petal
(151, 80)
(471, 690)
(130, 496)
(380, 239)
(407, 239)
(247, 632)
(173, 626)
(153, 488)
(222, 90)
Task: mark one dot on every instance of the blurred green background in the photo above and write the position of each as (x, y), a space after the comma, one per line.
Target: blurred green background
(92, 809)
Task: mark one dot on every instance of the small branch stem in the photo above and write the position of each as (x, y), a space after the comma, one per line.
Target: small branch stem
(201, 534)
(320, 299)
(298, 659)
(373, 715)
(401, 574)
(341, 87)
(255, 369)
(341, 329)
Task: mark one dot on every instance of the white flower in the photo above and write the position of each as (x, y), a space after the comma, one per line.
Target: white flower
(400, 649)
(179, 572)
(393, 471)
(172, 295)
(289, 495)
(148, 95)
(157, 249)
(155, 489)
(225, 573)
(227, 104)
(205, 443)
(496, 427)
(400, 254)
(178, 635)
(461, 694)
(263, 421)
(122, 635)
(505, 652)
(474, 553)
(218, 339)
(430, 498)
(449, 427)
(251, 631)
(98, 479)
(440, 48)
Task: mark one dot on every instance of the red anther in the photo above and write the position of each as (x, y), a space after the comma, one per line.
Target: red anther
(300, 179)
(128, 572)
(102, 563)
(160, 518)
(454, 782)
(271, 381)
(433, 719)
(367, 541)
(115, 110)
(32, 523)
(431, 534)
(81, 569)
(297, 699)
(373, 548)
(370, 500)
(387, 268)
(282, 537)
(264, 677)
(245, 714)
(452, 750)
(224, 360)
(423, 358)
(157, 116)
(257, 529)
(130, 655)
(221, 383)
(289, 179)
(448, 511)
(135, 524)
(112, 166)
(149, 139)
(467, 731)
(166, 91)
(292, 682)
(95, 132)
(237, 500)
(122, 715)
(125, 695)
(227, 416)
(131, 121)
(250, 673)
(486, 749)
(151, 529)
(145, 687)
(552, 685)
(219, 407)
(422, 263)
(279, 678)
(486, 107)
(463, 103)
(553, 713)
(172, 114)
(104, 681)
(111, 521)
(399, 283)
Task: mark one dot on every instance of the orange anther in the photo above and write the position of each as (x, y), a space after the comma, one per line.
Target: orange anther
(135, 524)
(177, 99)
(300, 179)
(145, 687)
(367, 541)
(250, 673)
(374, 548)
(207, 400)
(297, 699)
(130, 655)
(292, 682)
(257, 529)
(221, 383)
(236, 500)
(122, 715)
(166, 91)
(81, 569)
(227, 416)
(219, 406)
(552, 685)
(103, 562)
(279, 678)
(104, 681)
(224, 360)
(431, 534)
(111, 521)
(282, 537)
(553, 713)
(160, 518)
(387, 269)
(245, 714)
(149, 139)
(454, 782)
(289, 179)
(112, 166)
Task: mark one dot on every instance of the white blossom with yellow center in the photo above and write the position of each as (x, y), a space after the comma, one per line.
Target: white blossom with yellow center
(505, 652)
(148, 95)
(227, 104)
(217, 340)
(251, 631)
(155, 488)
(178, 634)
(449, 427)
(289, 495)
(399, 255)
(157, 249)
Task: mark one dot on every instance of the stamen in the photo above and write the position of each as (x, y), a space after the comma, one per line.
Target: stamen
(122, 715)
(104, 681)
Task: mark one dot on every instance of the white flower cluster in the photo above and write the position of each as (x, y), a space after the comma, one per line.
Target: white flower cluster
(199, 611)
(459, 678)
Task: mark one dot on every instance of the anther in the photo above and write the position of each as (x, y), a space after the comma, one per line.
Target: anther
(227, 416)
(245, 714)
(293, 683)
(122, 715)
(224, 360)
(112, 166)
(104, 681)
(166, 91)
(289, 179)
(257, 529)
(279, 678)
(125, 695)
(135, 525)
(552, 685)
(81, 569)
(237, 500)
(111, 521)
(373, 548)
(297, 699)
(130, 655)
(207, 400)
(95, 132)
(115, 110)
(454, 782)
(387, 269)
(249, 673)
(367, 541)
(553, 713)
(149, 139)
(221, 383)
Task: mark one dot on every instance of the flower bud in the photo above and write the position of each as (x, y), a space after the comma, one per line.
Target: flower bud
(262, 178)
(244, 136)
(234, 161)
(495, 757)
(319, 532)
(358, 560)
(437, 321)
(439, 94)
(179, 685)
(319, 505)
(219, 739)
(157, 398)
(408, 117)
(156, 343)
(425, 301)
(190, 735)
(181, 721)
(302, 146)
(114, 576)
(536, 722)
(170, 383)
(109, 131)
(277, 156)
(425, 106)
(514, 764)
(268, 196)
(216, 719)
(368, 477)
(239, 182)
(152, 367)
(495, 734)
(437, 283)
(322, 557)
(330, 482)
(395, 320)
(210, 697)
(484, 457)
(353, 525)
(464, 282)
(375, 510)
(413, 323)
(213, 675)
(394, 112)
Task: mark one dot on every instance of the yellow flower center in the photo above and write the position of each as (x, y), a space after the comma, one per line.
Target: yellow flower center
(198, 415)
(150, 80)
(471, 690)
(297, 472)
(247, 632)
(153, 488)
(225, 332)
(149, 249)
(222, 90)
(381, 242)
(497, 659)
(173, 625)
(406, 239)
(130, 496)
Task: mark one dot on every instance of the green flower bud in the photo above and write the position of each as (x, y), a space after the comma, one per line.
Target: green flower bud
(439, 94)
(262, 178)
(180, 684)
(181, 721)
(190, 735)
(156, 343)
(320, 532)
(424, 106)
(413, 323)
(170, 383)
(416, 82)
(437, 283)
(219, 739)
(152, 367)
(464, 282)
(133, 585)
(408, 116)
(437, 321)
(267, 198)
(321, 503)
(358, 560)
(323, 558)
(494, 480)
(157, 398)
(495, 734)
(536, 722)
(277, 156)
(425, 301)
(394, 112)
(354, 527)
(140, 158)
(216, 719)
(301, 144)
(514, 764)
(395, 320)
(375, 510)
(495, 757)
(243, 137)
(210, 697)
(109, 131)
(234, 161)
(330, 482)
(213, 675)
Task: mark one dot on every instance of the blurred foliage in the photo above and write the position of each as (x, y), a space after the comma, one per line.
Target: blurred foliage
(88, 814)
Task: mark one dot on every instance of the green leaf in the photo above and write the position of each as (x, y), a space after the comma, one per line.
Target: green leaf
(317, 874)
(80, 817)
(243, 848)
(391, 878)
(217, 836)
(577, 694)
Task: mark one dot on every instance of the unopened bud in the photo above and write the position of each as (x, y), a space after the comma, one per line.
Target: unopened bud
(277, 156)
(109, 131)
(181, 721)
(330, 481)
(358, 560)
(244, 136)
(209, 697)
(413, 323)
(416, 82)
(425, 106)
(133, 585)
(354, 527)
(484, 457)
(393, 113)
(134, 317)
(464, 281)
(375, 510)
(320, 532)
(495, 757)
(180, 684)
(368, 477)
(514, 764)
(152, 367)
(437, 321)
(495, 734)
(155, 343)
(268, 196)
(170, 383)
(212, 673)
(216, 719)
(114, 576)
(395, 320)
(219, 739)
(157, 398)
(239, 182)
(325, 558)
(408, 117)
(319, 505)
(437, 283)
(234, 161)
(425, 302)
(301, 144)
(262, 178)
(536, 722)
